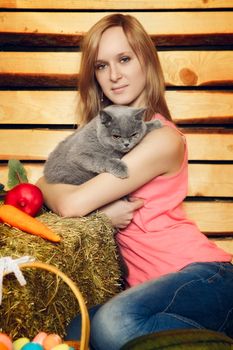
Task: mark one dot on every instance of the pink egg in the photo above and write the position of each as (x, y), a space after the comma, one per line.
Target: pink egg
(6, 340)
(39, 338)
(51, 340)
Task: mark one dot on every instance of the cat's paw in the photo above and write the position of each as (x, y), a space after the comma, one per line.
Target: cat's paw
(117, 168)
(157, 123)
(154, 124)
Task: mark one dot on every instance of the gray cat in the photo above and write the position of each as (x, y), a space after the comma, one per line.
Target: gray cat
(98, 146)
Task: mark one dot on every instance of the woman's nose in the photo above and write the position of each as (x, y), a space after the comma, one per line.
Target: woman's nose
(115, 73)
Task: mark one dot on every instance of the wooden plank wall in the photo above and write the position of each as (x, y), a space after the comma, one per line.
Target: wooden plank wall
(39, 64)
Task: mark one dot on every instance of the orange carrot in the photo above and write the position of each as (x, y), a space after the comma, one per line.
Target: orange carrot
(17, 218)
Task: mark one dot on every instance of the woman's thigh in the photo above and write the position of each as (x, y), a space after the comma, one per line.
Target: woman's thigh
(198, 296)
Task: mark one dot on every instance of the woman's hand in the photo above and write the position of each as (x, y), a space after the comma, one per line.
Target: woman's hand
(121, 211)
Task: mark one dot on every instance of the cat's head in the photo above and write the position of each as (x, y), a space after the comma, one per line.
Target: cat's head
(121, 127)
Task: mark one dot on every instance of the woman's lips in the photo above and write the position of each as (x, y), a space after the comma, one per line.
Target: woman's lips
(118, 90)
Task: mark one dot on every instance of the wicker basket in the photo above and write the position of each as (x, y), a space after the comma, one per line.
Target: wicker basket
(85, 331)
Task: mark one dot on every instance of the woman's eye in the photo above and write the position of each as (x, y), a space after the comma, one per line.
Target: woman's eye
(100, 66)
(116, 137)
(125, 59)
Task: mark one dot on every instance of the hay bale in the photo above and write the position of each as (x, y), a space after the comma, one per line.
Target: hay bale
(87, 254)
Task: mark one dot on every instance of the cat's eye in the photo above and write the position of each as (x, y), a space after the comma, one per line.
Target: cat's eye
(135, 134)
(116, 137)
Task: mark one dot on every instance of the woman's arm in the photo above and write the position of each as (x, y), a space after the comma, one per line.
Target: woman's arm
(160, 152)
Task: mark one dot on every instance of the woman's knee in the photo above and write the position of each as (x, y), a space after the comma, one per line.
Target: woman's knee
(112, 326)
(115, 324)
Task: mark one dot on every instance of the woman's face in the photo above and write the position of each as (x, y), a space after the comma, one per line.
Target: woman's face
(118, 70)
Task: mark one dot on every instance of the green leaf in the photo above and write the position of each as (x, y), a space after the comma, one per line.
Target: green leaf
(16, 173)
(2, 194)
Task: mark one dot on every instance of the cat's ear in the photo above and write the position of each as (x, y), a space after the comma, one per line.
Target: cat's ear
(139, 114)
(105, 118)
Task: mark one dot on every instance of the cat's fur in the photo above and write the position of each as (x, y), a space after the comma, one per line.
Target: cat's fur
(98, 146)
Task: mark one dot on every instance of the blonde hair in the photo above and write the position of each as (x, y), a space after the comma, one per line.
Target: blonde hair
(142, 45)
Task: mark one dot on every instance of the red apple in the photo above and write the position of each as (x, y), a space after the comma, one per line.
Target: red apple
(25, 196)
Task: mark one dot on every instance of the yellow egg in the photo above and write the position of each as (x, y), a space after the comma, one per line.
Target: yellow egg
(39, 338)
(61, 347)
(51, 341)
(73, 344)
(19, 343)
(6, 340)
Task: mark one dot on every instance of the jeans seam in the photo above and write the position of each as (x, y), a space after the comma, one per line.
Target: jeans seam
(221, 328)
(189, 282)
(184, 319)
(220, 268)
(177, 291)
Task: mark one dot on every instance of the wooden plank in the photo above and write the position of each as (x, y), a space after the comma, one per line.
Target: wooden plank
(210, 146)
(225, 243)
(67, 28)
(211, 217)
(59, 107)
(154, 22)
(29, 144)
(38, 107)
(112, 4)
(181, 68)
(41, 63)
(197, 68)
(206, 180)
(36, 144)
(190, 107)
(211, 180)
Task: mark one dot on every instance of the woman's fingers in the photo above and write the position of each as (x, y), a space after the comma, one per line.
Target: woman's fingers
(136, 203)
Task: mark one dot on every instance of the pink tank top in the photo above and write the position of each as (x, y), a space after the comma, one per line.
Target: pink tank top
(161, 239)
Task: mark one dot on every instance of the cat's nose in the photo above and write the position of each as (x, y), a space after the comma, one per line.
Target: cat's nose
(126, 144)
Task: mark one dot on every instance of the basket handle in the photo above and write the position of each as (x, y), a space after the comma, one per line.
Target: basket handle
(85, 331)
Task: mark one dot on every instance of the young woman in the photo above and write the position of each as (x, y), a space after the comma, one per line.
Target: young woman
(176, 277)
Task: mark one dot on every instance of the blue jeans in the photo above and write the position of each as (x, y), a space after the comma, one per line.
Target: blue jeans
(198, 296)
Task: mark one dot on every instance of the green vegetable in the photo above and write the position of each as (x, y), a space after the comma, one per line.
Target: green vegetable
(181, 339)
(16, 173)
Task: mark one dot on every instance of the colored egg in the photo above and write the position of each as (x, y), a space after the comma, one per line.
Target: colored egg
(6, 340)
(3, 347)
(61, 347)
(39, 338)
(32, 346)
(51, 341)
(19, 343)
(73, 344)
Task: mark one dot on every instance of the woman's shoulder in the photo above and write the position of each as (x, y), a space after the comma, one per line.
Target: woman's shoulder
(167, 139)
(165, 146)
